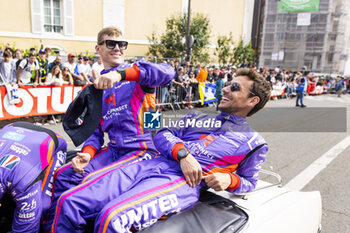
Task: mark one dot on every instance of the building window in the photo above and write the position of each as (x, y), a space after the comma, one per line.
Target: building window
(52, 16)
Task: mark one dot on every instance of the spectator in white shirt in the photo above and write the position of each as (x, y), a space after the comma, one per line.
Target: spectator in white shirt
(70, 63)
(97, 67)
(83, 69)
(7, 68)
(28, 71)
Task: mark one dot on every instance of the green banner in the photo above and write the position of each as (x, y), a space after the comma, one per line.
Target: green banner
(298, 5)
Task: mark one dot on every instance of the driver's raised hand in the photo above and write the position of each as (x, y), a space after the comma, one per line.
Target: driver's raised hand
(106, 81)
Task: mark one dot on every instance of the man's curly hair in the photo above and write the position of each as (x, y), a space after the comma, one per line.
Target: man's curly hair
(260, 88)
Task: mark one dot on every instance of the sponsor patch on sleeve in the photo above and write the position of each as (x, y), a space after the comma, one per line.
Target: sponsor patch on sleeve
(9, 161)
(13, 136)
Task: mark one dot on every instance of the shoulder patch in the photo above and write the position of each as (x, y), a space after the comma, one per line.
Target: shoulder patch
(9, 161)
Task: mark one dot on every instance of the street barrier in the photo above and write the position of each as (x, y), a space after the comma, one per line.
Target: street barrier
(277, 90)
(178, 96)
(35, 101)
(315, 90)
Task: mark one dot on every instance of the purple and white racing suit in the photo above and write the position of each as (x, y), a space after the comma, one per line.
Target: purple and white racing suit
(122, 118)
(142, 192)
(29, 157)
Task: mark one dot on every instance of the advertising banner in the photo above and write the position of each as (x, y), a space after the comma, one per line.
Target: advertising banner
(298, 5)
(315, 90)
(277, 90)
(304, 19)
(207, 92)
(42, 100)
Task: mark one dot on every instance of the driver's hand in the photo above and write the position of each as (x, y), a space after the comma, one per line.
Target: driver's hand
(218, 181)
(80, 162)
(106, 81)
(192, 170)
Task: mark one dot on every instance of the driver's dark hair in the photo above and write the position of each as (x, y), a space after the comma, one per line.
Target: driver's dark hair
(260, 87)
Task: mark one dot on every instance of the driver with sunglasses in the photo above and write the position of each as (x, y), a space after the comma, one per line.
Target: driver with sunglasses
(227, 156)
(128, 92)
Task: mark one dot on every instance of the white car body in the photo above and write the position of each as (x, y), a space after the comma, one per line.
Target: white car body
(275, 209)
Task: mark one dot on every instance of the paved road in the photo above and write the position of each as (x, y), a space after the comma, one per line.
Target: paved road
(293, 149)
(291, 152)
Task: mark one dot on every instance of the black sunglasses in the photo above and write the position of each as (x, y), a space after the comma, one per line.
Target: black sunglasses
(237, 87)
(110, 44)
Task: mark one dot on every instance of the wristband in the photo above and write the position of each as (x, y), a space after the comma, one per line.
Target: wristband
(122, 73)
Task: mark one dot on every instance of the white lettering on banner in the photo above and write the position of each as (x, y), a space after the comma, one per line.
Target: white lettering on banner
(147, 212)
(317, 91)
(277, 90)
(41, 94)
(26, 107)
(36, 101)
(56, 98)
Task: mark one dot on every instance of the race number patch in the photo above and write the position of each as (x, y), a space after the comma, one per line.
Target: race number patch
(9, 161)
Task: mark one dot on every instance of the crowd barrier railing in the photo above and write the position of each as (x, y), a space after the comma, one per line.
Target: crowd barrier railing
(178, 96)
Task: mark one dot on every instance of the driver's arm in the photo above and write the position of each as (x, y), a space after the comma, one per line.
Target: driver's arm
(149, 74)
(248, 171)
(94, 143)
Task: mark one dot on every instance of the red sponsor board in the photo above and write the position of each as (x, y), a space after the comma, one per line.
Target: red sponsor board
(42, 100)
(277, 90)
(315, 90)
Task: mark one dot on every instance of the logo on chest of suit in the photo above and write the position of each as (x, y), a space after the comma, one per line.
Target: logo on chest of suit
(121, 84)
(114, 112)
(20, 149)
(111, 99)
(199, 149)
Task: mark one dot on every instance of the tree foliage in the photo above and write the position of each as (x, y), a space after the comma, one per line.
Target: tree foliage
(224, 49)
(242, 53)
(170, 44)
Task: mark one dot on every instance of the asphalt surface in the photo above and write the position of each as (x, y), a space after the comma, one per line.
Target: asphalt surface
(292, 149)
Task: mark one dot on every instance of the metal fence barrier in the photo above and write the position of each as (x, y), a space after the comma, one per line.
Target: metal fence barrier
(178, 96)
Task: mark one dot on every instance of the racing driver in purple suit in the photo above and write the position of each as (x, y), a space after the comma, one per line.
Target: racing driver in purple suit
(128, 92)
(227, 155)
(29, 155)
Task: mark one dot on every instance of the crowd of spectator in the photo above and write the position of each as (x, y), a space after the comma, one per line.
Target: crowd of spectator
(42, 68)
(187, 77)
